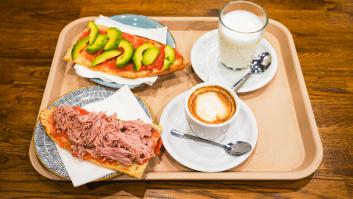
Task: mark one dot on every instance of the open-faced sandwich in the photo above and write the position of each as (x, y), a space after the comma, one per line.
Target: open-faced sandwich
(124, 146)
(118, 53)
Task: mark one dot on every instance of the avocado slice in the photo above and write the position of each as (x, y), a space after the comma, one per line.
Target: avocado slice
(98, 44)
(76, 49)
(125, 58)
(114, 36)
(150, 55)
(169, 57)
(105, 56)
(138, 55)
(94, 32)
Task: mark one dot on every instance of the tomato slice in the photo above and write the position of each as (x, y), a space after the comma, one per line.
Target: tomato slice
(84, 34)
(81, 110)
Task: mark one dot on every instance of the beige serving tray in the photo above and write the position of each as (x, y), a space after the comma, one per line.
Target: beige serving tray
(288, 147)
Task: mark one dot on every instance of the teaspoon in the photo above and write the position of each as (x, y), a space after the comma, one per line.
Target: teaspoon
(237, 148)
(258, 65)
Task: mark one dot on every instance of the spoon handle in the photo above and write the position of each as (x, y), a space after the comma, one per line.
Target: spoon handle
(242, 79)
(195, 138)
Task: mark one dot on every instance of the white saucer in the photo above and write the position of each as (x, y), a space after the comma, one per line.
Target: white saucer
(200, 156)
(204, 59)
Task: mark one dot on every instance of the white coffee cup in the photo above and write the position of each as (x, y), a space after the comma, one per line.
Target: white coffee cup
(210, 130)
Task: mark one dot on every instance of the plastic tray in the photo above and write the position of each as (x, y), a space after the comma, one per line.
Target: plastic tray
(289, 146)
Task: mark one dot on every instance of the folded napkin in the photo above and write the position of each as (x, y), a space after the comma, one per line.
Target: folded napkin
(126, 106)
(157, 34)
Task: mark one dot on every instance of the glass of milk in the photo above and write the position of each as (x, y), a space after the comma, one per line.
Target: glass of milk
(240, 30)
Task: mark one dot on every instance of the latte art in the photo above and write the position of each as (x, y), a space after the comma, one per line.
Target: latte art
(211, 104)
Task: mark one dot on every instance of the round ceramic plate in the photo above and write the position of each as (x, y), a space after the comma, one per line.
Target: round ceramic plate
(46, 150)
(204, 59)
(200, 156)
(141, 22)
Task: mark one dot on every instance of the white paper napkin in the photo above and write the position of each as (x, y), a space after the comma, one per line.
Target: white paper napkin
(126, 106)
(157, 34)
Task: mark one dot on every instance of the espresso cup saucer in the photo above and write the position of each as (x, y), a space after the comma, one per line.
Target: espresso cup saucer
(200, 156)
(204, 60)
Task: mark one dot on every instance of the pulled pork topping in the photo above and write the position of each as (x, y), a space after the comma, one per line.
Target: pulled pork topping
(105, 137)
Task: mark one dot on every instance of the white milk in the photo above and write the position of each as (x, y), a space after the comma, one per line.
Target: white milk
(236, 48)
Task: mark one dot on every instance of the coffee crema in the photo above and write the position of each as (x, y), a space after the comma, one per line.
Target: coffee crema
(211, 104)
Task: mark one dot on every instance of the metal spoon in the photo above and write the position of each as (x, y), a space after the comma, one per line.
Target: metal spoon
(258, 65)
(234, 148)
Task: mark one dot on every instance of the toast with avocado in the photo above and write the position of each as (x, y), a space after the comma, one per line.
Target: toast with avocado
(109, 50)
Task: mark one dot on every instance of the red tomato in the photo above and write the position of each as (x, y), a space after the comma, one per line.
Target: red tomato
(134, 40)
(81, 110)
(84, 34)
(89, 56)
(103, 30)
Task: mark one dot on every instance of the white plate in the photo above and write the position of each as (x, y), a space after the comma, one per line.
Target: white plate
(200, 156)
(204, 59)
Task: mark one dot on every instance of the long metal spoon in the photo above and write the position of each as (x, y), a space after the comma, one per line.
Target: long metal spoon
(234, 148)
(258, 65)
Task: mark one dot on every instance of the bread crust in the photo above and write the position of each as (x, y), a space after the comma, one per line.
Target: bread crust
(135, 170)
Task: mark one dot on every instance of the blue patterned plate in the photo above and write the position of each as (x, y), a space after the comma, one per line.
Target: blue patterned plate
(46, 150)
(141, 22)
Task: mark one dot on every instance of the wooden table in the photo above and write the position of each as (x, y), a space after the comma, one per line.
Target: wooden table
(322, 31)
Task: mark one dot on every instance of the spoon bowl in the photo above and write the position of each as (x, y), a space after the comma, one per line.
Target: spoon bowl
(258, 65)
(237, 148)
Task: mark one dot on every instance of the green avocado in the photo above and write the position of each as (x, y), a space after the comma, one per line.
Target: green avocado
(138, 55)
(169, 57)
(105, 56)
(125, 58)
(114, 36)
(150, 55)
(76, 49)
(98, 44)
(94, 32)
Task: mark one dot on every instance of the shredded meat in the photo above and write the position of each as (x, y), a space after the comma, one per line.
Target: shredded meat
(105, 137)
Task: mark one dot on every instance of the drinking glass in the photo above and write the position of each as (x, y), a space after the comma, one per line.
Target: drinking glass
(240, 30)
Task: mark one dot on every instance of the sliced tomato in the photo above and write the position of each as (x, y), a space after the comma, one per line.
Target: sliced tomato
(81, 110)
(84, 34)
(156, 137)
(110, 63)
(177, 54)
(128, 67)
(134, 40)
(157, 149)
(89, 56)
(103, 30)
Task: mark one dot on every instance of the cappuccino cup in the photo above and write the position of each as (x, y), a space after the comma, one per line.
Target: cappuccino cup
(210, 108)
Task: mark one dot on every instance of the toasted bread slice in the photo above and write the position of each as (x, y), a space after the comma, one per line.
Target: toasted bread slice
(179, 63)
(135, 170)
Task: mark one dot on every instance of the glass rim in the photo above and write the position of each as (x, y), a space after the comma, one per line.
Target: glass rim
(254, 4)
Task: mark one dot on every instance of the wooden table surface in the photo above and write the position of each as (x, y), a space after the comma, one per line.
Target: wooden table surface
(323, 34)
